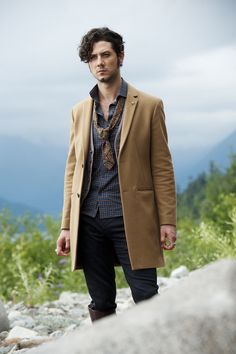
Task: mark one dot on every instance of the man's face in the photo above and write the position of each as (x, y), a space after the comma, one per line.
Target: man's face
(104, 63)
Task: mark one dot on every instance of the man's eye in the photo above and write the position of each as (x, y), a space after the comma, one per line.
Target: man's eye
(92, 57)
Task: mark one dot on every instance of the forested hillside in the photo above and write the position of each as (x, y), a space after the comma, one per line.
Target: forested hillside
(210, 196)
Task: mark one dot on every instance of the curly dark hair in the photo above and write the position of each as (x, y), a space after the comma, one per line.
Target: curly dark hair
(99, 34)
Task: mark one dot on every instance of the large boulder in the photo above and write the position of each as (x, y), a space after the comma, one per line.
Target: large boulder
(197, 315)
(4, 323)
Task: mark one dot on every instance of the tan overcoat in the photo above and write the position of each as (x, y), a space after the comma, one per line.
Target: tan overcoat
(146, 176)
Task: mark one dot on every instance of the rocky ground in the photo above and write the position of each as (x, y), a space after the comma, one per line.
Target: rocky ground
(31, 326)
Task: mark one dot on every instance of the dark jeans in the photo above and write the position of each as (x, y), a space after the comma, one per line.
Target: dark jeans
(97, 240)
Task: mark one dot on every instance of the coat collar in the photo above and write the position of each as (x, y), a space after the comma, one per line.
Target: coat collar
(129, 109)
(130, 106)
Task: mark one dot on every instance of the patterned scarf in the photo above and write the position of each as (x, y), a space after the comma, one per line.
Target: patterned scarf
(103, 133)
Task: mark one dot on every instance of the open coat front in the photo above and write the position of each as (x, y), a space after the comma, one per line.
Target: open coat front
(146, 177)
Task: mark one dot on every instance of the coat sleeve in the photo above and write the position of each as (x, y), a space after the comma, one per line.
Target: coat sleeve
(162, 168)
(68, 178)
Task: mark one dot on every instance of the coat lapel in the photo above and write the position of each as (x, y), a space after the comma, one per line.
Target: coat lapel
(87, 116)
(130, 105)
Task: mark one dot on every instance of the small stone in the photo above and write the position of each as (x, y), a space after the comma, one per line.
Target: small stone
(8, 305)
(41, 329)
(162, 281)
(71, 328)
(21, 332)
(86, 323)
(124, 306)
(7, 350)
(12, 315)
(55, 323)
(180, 272)
(56, 334)
(55, 311)
(21, 351)
(20, 306)
(69, 297)
(4, 322)
(30, 342)
(76, 313)
(43, 310)
(169, 282)
(23, 321)
(3, 335)
(26, 343)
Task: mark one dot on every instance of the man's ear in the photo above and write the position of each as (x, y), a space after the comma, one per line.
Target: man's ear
(121, 58)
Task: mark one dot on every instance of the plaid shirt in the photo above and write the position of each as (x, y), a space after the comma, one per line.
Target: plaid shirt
(101, 191)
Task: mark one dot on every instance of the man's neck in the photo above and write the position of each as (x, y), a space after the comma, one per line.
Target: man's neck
(108, 91)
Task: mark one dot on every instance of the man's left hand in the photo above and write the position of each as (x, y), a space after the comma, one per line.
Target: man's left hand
(168, 237)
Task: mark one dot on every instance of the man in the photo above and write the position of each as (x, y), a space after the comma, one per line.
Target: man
(119, 191)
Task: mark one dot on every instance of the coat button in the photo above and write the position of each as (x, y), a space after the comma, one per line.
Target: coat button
(82, 165)
(78, 195)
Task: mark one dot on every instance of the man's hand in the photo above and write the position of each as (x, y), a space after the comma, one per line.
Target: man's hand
(168, 237)
(63, 243)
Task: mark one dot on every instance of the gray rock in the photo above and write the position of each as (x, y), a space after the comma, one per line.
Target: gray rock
(13, 315)
(54, 323)
(165, 283)
(7, 349)
(56, 334)
(55, 311)
(179, 272)
(71, 328)
(24, 343)
(21, 332)
(197, 315)
(76, 313)
(69, 297)
(23, 321)
(20, 306)
(3, 335)
(41, 329)
(4, 322)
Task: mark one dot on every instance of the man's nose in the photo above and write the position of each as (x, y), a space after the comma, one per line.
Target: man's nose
(99, 61)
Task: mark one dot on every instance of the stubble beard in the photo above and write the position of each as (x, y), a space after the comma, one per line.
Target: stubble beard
(111, 78)
(108, 80)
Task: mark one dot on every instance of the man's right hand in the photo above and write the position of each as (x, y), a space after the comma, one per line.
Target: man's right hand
(63, 243)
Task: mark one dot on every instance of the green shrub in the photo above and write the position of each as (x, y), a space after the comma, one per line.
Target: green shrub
(205, 243)
(30, 271)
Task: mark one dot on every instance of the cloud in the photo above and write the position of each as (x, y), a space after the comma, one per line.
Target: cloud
(182, 51)
(199, 97)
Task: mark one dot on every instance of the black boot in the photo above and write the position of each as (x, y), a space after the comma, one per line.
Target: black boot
(97, 315)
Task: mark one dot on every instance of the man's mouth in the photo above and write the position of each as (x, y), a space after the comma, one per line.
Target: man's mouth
(101, 71)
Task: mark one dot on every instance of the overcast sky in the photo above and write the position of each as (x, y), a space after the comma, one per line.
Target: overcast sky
(183, 51)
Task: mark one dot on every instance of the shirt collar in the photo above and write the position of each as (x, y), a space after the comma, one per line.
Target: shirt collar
(122, 92)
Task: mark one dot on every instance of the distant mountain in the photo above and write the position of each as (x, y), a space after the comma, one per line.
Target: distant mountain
(18, 209)
(32, 175)
(185, 161)
(189, 164)
(220, 154)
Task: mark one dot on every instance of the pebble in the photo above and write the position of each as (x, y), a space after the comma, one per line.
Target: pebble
(179, 272)
(31, 326)
(21, 332)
